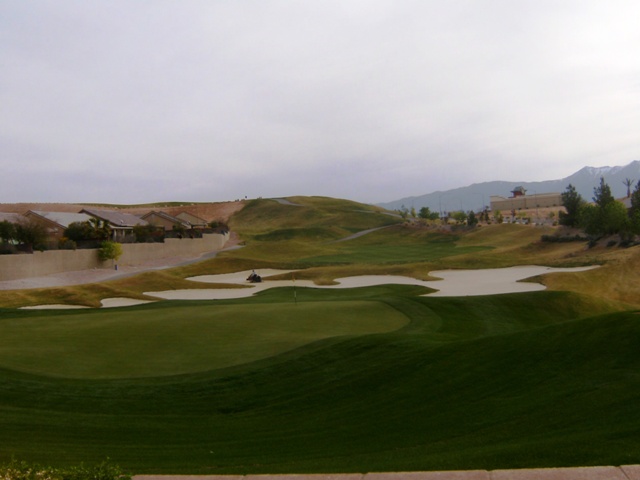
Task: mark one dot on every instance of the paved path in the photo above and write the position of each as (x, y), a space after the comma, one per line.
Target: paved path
(361, 233)
(625, 472)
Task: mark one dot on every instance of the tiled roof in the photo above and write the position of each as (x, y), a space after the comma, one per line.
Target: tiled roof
(192, 219)
(10, 217)
(168, 217)
(116, 219)
(63, 218)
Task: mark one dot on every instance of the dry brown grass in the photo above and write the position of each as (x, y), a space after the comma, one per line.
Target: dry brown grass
(91, 294)
(617, 280)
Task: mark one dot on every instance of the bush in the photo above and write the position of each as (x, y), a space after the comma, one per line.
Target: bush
(563, 239)
(67, 244)
(109, 251)
(16, 470)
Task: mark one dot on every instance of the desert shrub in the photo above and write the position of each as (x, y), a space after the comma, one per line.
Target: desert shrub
(563, 238)
(109, 251)
(67, 244)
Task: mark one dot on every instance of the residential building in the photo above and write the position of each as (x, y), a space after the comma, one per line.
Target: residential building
(121, 224)
(521, 201)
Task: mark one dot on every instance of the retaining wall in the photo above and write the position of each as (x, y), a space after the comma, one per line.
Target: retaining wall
(38, 264)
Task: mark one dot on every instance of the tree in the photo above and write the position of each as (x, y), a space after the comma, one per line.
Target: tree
(634, 211)
(615, 219)
(110, 251)
(607, 216)
(472, 220)
(628, 183)
(404, 212)
(602, 194)
(427, 214)
(7, 231)
(101, 228)
(147, 233)
(31, 234)
(459, 216)
(573, 204)
(79, 231)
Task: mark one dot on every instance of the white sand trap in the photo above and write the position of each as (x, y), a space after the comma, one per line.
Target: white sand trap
(54, 306)
(122, 302)
(491, 281)
(106, 303)
(237, 278)
(454, 283)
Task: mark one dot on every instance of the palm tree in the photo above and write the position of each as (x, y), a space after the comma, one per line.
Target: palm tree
(628, 183)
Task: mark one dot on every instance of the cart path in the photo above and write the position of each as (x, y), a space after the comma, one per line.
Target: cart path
(625, 472)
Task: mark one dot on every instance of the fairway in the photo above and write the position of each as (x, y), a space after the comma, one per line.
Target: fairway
(174, 340)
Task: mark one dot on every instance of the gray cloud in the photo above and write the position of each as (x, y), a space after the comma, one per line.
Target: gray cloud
(369, 100)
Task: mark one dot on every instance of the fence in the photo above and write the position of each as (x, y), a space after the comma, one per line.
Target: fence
(38, 264)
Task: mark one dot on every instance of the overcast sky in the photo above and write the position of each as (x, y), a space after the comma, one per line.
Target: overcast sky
(212, 100)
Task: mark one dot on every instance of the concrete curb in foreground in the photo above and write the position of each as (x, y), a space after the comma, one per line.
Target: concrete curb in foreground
(625, 472)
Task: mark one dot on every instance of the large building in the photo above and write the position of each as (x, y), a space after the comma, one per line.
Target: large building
(521, 201)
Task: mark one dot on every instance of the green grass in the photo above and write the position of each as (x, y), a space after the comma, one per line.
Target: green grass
(493, 382)
(175, 339)
(367, 379)
(393, 246)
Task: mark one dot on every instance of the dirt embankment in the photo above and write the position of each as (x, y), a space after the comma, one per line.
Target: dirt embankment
(219, 211)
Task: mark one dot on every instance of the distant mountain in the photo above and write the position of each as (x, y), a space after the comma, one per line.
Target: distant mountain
(474, 196)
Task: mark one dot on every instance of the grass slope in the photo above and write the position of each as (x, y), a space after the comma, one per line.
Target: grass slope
(367, 379)
(505, 381)
(173, 339)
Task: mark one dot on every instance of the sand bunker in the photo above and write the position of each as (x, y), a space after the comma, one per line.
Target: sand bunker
(54, 306)
(454, 283)
(492, 281)
(122, 302)
(106, 303)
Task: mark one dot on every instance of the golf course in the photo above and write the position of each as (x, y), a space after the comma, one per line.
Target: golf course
(304, 379)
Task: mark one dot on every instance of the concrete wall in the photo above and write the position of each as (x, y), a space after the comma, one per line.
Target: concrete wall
(38, 264)
(526, 202)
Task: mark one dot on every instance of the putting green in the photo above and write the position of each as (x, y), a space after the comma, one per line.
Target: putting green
(150, 342)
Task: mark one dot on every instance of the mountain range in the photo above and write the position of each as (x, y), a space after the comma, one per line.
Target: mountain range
(477, 195)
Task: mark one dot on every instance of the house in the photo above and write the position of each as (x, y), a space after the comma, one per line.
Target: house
(56, 222)
(195, 222)
(519, 191)
(11, 217)
(521, 201)
(121, 224)
(166, 221)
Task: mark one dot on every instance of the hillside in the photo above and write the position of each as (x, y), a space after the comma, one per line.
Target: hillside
(473, 197)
